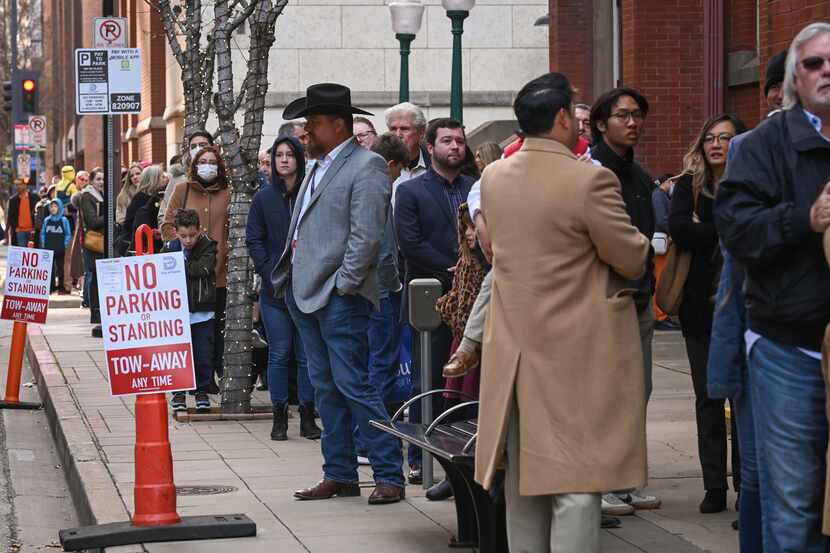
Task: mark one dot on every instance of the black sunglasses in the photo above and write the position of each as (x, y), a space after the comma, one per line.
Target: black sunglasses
(813, 63)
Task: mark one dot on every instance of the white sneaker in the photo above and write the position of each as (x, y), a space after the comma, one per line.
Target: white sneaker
(614, 506)
(361, 460)
(640, 500)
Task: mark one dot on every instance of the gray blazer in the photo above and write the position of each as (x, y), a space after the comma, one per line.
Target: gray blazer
(339, 234)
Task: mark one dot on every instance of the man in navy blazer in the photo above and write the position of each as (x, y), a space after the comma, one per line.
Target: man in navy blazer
(426, 215)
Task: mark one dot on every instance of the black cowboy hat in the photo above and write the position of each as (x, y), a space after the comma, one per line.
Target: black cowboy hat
(322, 99)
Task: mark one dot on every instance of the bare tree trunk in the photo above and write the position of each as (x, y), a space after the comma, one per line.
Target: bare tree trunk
(198, 59)
(239, 151)
(196, 62)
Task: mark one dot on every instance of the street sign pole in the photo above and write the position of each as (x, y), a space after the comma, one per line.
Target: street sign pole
(14, 114)
(109, 192)
(109, 173)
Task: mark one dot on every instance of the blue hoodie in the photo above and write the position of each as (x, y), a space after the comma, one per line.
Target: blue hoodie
(55, 234)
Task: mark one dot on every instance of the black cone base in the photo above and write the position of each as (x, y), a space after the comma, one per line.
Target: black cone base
(208, 527)
(20, 405)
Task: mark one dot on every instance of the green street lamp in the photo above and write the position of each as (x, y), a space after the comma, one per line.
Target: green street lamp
(406, 21)
(457, 11)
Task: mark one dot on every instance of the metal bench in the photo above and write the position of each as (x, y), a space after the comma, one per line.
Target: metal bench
(481, 518)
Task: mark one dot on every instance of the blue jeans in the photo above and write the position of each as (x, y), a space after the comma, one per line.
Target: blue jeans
(384, 350)
(749, 516)
(788, 402)
(201, 335)
(385, 345)
(282, 335)
(22, 238)
(337, 347)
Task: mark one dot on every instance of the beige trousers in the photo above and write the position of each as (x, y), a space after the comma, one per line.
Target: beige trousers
(478, 314)
(563, 523)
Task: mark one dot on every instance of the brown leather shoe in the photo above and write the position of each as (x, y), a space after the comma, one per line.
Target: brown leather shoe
(326, 489)
(386, 493)
(460, 364)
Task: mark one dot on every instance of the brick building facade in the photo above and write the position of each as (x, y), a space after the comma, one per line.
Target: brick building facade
(78, 140)
(72, 139)
(691, 58)
(144, 135)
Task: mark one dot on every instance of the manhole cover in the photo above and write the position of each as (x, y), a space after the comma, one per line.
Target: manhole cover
(204, 490)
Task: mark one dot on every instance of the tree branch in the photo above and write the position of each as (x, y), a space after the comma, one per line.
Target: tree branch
(169, 22)
(164, 8)
(242, 16)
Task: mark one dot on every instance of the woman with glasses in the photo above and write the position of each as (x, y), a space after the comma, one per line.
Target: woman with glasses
(365, 132)
(693, 230)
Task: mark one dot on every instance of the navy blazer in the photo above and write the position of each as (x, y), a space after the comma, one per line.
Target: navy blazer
(266, 233)
(427, 228)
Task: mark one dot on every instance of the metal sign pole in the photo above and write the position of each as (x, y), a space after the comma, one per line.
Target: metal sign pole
(426, 402)
(109, 193)
(14, 114)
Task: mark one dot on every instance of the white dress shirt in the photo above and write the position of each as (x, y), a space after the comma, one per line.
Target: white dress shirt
(322, 166)
(409, 174)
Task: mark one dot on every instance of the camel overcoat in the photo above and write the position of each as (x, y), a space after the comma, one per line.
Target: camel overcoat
(562, 332)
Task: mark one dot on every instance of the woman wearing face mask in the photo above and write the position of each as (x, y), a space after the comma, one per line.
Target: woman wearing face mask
(206, 191)
(93, 220)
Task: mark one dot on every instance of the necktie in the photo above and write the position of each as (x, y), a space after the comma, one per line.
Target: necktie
(311, 177)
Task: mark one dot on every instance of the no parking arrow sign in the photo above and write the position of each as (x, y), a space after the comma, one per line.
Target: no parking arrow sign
(37, 131)
(110, 32)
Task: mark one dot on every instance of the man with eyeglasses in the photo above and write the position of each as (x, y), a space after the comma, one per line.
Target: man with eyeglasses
(617, 119)
(772, 211)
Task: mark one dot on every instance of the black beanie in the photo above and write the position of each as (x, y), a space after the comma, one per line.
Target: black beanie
(776, 66)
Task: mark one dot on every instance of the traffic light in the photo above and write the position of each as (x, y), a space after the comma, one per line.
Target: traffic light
(28, 96)
(7, 96)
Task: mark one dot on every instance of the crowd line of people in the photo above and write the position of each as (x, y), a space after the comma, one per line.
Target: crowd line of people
(549, 254)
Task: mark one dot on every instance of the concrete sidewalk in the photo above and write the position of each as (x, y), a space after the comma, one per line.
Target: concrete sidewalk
(246, 472)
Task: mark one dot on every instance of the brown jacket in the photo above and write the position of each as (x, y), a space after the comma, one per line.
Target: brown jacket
(561, 334)
(212, 205)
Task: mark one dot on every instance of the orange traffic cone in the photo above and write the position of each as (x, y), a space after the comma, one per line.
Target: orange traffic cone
(155, 493)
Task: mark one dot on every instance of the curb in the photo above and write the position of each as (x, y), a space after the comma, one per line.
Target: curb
(93, 489)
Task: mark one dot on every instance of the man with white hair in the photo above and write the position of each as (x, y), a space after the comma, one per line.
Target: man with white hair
(772, 210)
(264, 164)
(408, 122)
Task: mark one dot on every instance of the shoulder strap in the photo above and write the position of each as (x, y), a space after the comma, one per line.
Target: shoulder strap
(186, 193)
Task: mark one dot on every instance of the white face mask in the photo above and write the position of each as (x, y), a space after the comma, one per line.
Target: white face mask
(195, 150)
(207, 172)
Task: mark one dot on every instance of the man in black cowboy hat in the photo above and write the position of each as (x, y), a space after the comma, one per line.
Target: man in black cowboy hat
(328, 277)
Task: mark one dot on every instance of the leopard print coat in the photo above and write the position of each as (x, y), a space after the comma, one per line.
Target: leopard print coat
(455, 305)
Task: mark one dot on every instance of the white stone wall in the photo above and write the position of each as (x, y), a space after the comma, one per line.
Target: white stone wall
(352, 42)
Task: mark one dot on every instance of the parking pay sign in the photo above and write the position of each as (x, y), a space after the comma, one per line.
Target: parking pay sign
(107, 81)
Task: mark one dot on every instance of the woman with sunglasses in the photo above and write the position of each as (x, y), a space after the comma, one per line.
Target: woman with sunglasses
(693, 230)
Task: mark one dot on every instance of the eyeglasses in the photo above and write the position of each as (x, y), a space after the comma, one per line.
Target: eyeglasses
(624, 116)
(813, 63)
(365, 135)
(721, 137)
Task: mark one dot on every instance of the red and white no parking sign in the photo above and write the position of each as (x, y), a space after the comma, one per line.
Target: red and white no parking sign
(110, 32)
